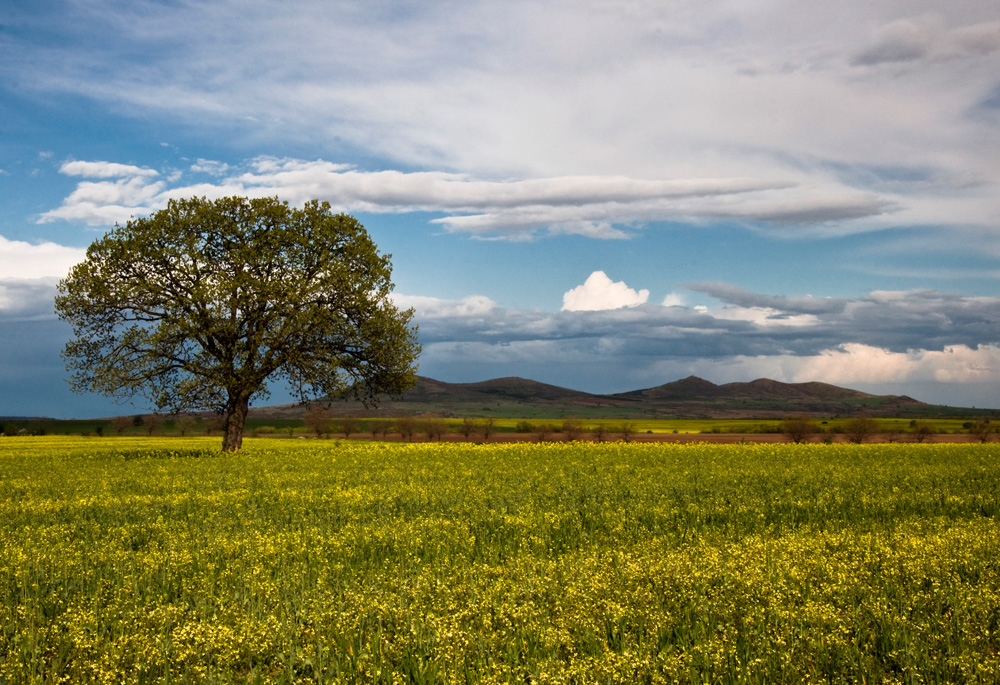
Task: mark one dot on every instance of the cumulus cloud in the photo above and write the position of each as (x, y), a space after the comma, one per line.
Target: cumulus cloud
(20, 260)
(673, 300)
(27, 299)
(599, 292)
(28, 277)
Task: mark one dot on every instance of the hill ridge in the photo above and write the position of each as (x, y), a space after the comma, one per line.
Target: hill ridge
(690, 397)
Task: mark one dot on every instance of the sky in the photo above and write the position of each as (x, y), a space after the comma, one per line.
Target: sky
(604, 195)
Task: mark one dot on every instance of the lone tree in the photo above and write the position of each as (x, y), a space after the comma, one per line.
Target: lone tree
(203, 304)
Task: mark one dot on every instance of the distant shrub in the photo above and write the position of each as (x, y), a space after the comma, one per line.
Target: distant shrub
(922, 430)
(544, 431)
(573, 429)
(798, 428)
(435, 428)
(981, 430)
(524, 427)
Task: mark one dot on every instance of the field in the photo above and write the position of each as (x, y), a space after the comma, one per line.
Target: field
(129, 560)
(897, 428)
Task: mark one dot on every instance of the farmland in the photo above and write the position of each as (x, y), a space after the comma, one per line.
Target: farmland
(896, 429)
(157, 560)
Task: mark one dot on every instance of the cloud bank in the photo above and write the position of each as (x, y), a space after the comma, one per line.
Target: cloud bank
(883, 337)
(592, 206)
(676, 105)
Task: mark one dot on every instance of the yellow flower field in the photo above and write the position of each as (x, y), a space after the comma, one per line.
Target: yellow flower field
(158, 560)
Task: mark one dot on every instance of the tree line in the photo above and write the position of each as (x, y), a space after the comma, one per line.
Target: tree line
(802, 428)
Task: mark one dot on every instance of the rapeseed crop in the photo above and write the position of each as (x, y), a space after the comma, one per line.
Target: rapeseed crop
(144, 560)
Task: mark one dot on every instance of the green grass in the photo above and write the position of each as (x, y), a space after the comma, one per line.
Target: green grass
(138, 560)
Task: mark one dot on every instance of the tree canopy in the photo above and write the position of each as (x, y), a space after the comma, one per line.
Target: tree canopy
(201, 305)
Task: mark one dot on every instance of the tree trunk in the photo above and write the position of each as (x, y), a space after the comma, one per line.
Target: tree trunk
(236, 416)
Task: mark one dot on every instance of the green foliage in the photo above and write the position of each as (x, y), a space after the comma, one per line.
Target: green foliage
(151, 560)
(523, 426)
(203, 304)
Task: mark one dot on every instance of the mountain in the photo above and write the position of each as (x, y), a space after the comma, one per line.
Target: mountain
(690, 397)
(767, 398)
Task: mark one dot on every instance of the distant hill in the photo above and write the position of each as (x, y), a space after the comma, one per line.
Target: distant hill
(690, 397)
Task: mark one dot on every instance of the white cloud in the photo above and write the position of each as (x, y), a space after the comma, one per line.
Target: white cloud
(926, 38)
(923, 340)
(764, 316)
(599, 292)
(27, 299)
(209, 166)
(855, 363)
(643, 91)
(21, 260)
(105, 170)
(903, 40)
(599, 207)
(673, 300)
(29, 274)
(435, 308)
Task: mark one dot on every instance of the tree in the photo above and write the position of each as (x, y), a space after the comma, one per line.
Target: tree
(348, 425)
(486, 427)
(798, 428)
(468, 427)
(318, 420)
(185, 423)
(599, 431)
(406, 426)
(153, 423)
(121, 424)
(203, 304)
(380, 427)
(543, 431)
(627, 431)
(573, 429)
(860, 428)
(981, 430)
(524, 426)
(922, 430)
(435, 428)
(215, 422)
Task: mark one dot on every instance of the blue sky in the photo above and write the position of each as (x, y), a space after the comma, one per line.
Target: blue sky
(603, 195)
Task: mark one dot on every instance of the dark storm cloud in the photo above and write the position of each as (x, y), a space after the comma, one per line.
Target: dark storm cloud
(749, 324)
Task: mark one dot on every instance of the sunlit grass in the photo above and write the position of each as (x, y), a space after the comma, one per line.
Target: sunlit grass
(145, 560)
